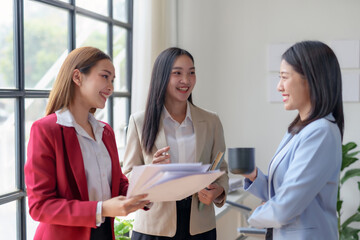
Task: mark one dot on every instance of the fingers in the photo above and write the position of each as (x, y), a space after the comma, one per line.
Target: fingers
(203, 191)
(252, 176)
(138, 205)
(162, 151)
(212, 186)
(203, 194)
(163, 159)
(138, 201)
(122, 206)
(203, 197)
(211, 192)
(137, 198)
(161, 156)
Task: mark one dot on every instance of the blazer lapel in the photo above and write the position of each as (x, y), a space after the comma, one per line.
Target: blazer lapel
(200, 131)
(76, 161)
(283, 142)
(278, 157)
(115, 165)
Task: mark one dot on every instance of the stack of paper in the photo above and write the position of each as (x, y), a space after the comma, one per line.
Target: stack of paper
(170, 182)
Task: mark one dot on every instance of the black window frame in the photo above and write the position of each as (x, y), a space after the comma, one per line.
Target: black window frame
(19, 93)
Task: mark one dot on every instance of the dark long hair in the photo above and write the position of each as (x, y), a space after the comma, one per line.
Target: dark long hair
(317, 63)
(159, 81)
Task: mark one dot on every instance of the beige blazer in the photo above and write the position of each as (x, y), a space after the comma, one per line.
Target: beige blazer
(160, 220)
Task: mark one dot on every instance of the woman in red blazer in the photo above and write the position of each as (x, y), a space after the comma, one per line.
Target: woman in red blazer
(74, 182)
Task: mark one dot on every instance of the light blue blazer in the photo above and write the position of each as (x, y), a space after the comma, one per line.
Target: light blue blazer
(300, 190)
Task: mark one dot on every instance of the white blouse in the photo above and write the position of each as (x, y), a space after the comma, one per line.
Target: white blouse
(180, 137)
(97, 161)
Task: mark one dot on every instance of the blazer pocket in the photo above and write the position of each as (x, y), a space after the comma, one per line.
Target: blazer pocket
(301, 229)
(310, 233)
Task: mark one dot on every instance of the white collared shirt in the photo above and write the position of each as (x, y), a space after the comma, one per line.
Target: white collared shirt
(180, 137)
(97, 162)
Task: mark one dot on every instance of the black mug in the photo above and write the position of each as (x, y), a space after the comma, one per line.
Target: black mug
(241, 160)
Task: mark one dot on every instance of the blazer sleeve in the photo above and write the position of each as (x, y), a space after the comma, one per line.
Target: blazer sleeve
(219, 145)
(41, 177)
(315, 161)
(133, 153)
(259, 187)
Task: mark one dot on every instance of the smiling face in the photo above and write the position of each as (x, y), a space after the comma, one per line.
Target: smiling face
(182, 80)
(96, 86)
(295, 90)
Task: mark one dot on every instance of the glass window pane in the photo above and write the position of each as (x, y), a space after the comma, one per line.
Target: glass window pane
(7, 146)
(91, 32)
(45, 43)
(34, 110)
(98, 6)
(120, 124)
(119, 59)
(120, 8)
(6, 45)
(8, 220)
(31, 224)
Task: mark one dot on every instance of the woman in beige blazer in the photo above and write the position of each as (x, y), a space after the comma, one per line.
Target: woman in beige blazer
(173, 130)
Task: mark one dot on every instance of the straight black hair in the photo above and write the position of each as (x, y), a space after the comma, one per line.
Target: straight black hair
(318, 64)
(156, 97)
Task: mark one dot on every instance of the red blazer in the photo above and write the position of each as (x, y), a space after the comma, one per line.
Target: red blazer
(56, 182)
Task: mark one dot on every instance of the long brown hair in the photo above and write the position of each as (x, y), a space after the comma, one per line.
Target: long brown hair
(62, 93)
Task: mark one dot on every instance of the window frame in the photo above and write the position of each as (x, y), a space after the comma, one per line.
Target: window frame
(19, 93)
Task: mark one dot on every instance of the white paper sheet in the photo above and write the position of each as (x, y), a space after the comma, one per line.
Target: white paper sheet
(170, 182)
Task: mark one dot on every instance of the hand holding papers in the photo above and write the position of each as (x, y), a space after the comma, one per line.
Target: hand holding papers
(170, 182)
(214, 166)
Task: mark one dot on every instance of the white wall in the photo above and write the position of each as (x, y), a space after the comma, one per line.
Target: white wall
(154, 30)
(229, 40)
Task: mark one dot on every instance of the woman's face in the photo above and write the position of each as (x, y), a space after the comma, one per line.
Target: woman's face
(295, 90)
(182, 80)
(97, 85)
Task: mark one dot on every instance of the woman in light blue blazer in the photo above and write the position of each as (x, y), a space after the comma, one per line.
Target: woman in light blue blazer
(300, 190)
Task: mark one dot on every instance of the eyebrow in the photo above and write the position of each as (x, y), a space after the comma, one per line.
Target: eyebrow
(182, 68)
(108, 72)
(283, 72)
